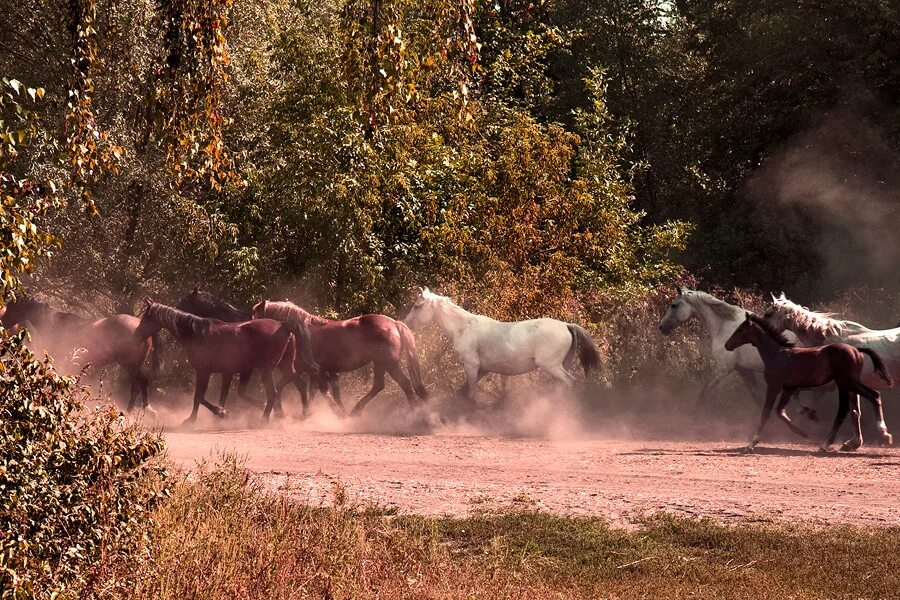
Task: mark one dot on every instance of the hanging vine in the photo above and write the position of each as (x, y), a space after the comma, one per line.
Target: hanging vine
(90, 149)
(390, 67)
(189, 95)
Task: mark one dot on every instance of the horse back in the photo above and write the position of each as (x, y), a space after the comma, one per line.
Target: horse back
(352, 343)
(112, 339)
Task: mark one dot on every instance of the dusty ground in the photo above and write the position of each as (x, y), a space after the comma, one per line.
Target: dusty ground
(460, 472)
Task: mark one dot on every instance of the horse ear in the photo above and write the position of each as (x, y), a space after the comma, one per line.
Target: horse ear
(746, 315)
(425, 290)
(783, 297)
(148, 301)
(681, 290)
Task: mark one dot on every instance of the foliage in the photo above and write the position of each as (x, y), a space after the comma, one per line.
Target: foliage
(23, 200)
(190, 87)
(90, 150)
(74, 483)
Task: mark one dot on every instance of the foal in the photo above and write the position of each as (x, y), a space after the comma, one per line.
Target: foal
(788, 369)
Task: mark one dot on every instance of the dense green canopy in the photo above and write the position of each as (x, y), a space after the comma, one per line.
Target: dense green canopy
(530, 154)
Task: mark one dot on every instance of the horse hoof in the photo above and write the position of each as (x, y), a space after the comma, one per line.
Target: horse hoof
(187, 423)
(851, 445)
(747, 450)
(222, 413)
(887, 439)
(825, 449)
(150, 410)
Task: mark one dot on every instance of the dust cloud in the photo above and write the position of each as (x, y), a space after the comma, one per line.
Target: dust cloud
(844, 176)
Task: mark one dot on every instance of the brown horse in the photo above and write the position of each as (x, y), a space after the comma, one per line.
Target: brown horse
(341, 346)
(203, 304)
(99, 342)
(214, 346)
(788, 369)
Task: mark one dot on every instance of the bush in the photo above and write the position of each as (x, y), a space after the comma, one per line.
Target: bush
(76, 485)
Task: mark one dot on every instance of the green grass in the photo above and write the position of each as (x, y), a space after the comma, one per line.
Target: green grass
(221, 537)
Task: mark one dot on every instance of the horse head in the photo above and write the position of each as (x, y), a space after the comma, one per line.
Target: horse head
(423, 309)
(678, 311)
(744, 334)
(259, 309)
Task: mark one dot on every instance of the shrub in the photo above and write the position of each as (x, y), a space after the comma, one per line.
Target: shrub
(76, 485)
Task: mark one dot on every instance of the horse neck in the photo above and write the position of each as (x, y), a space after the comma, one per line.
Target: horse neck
(765, 345)
(452, 318)
(308, 318)
(711, 321)
(230, 313)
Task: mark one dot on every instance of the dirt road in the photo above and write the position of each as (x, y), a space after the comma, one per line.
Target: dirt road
(619, 479)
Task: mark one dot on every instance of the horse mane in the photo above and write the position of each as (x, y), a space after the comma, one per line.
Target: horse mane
(719, 307)
(181, 323)
(287, 311)
(776, 335)
(808, 322)
(216, 301)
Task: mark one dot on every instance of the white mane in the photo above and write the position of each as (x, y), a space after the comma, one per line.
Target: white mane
(720, 307)
(803, 320)
(429, 295)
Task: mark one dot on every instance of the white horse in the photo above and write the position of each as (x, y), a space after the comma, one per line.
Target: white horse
(815, 329)
(720, 320)
(485, 345)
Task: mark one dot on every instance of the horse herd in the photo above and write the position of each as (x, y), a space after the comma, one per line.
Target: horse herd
(793, 347)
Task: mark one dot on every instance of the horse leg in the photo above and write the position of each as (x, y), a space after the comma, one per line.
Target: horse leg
(135, 388)
(560, 374)
(377, 386)
(807, 409)
(855, 414)
(336, 394)
(397, 375)
(473, 374)
(843, 407)
(771, 393)
(711, 383)
(786, 396)
(271, 396)
(199, 398)
(139, 385)
(226, 385)
(304, 384)
(243, 381)
(749, 379)
(875, 398)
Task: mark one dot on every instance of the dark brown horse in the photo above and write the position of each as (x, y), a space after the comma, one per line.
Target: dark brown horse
(214, 346)
(96, 343)
(789, 369)
(206, 305)
(341, 346)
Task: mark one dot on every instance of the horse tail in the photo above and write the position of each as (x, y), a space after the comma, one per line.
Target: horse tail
(880, 367)
(583, 343)
(408, 344)
(156, 357)
(302, 346)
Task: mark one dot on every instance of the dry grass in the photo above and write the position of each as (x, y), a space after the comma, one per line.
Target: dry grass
(221, 537)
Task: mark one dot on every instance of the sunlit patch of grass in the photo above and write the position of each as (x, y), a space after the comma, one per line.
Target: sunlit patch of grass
(221, 537)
